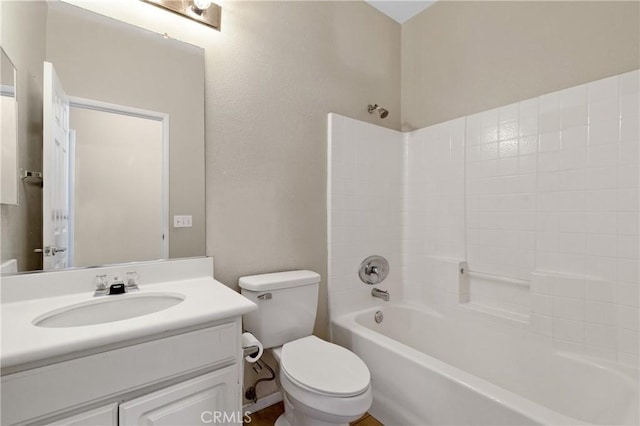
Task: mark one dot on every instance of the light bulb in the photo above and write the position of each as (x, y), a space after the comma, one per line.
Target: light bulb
(202, 4)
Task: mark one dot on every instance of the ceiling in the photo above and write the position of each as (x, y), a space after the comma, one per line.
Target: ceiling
(400, 10)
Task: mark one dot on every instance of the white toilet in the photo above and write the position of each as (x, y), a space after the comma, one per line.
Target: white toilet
(321, 383)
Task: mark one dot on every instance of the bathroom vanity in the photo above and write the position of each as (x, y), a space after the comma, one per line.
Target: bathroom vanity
(169, 353)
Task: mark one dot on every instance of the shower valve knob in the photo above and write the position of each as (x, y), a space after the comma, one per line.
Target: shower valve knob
(373, 270)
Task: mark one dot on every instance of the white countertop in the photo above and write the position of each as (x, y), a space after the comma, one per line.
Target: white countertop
(206, 300)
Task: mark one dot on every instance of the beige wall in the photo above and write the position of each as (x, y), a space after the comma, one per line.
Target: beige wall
(118, 204)
(22, 37)
(282, 68)
(105, 60)
(460, 58)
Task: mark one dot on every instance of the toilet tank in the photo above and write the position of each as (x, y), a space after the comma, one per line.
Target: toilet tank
(287, 304)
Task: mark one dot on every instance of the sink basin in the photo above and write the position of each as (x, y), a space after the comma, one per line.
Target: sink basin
(108, 309)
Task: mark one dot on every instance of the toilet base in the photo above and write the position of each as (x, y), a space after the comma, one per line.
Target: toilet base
(304, 416)
(282, 421)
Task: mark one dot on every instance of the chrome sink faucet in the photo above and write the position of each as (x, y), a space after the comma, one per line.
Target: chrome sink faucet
(118, 286)
(382, 294)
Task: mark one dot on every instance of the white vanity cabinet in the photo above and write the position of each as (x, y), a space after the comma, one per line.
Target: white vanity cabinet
(102, 416)
(205, 399)
(184, 379)
(115, 361)
(193, 402)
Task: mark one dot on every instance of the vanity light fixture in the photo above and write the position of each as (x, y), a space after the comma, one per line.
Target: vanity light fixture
(203, 11)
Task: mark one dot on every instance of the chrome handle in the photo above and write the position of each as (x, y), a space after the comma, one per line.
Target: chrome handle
(265, 296)
(55, 250)
(102, 285)
(373, 270)
(132, 281)
(50, 251)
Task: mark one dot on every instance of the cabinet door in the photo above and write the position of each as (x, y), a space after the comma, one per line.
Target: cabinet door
(103, 416)
(207, 399)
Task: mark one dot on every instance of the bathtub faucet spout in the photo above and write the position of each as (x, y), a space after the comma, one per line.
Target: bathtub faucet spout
(382, 294)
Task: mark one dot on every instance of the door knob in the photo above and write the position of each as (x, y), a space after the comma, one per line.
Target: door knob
(50, 251)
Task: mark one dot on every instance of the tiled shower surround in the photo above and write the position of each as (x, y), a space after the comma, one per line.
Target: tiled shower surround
(525, 216)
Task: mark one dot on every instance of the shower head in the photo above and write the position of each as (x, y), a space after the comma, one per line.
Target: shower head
(383, 112)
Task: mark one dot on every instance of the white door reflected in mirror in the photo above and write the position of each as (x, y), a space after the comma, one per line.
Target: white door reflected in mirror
(55, 172)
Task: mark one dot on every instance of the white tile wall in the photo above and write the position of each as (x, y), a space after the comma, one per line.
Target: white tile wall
(364, 198)
(580, 311)
(588, 214)
(501, 189)
(433, 213)
(498, 295)
(545, 193)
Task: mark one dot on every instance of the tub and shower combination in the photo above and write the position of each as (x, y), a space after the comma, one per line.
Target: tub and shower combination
(428, 369)
(543, 329)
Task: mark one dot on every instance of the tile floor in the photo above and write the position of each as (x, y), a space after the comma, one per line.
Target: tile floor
(268, 416)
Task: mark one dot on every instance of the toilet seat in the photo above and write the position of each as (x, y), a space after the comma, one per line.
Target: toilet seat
(324, 368)
(332, 409)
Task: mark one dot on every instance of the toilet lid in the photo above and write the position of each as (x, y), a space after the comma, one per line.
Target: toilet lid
(324, 367)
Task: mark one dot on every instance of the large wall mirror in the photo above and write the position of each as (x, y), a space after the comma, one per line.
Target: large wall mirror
(109, 141)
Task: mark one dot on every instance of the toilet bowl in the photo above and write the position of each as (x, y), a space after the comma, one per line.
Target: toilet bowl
(322, 384)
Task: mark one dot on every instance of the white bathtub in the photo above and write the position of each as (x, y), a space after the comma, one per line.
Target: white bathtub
(428, 370)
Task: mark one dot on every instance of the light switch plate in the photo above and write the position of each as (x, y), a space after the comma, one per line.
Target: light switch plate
(182, 221)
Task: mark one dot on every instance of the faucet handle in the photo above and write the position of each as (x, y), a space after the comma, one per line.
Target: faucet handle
(101, 282)
(132, 280)
(102, 285)
(373, 270)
